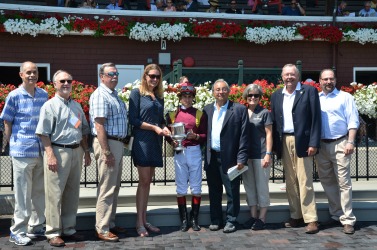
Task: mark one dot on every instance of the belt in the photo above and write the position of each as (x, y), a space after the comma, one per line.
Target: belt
(333, 140)
(109, 137)
(290, 134)
(66, 146)
(214, 152)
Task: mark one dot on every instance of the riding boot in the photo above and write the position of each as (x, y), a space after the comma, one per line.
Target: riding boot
(183, 213)
(194, 214)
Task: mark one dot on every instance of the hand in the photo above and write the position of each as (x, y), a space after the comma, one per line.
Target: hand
(52, 163)
(87, 159)
(240, 166)
(266, 161)
(349, 149)
(166, 131)
(191, 136)
(311, 151)
(109, 160)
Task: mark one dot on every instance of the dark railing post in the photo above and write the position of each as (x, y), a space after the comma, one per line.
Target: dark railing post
(240, 72)
(179, 69)
(299, 67)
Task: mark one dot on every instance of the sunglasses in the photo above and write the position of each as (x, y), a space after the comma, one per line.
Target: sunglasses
(253, 95)
(189, 88)
(65, 81)
(112, 74)
(154, 76)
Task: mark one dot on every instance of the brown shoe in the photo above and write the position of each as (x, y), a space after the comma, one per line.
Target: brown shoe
(73, 237)
(294, 223)
(118, 230)
(312, 228)
(109, 237)
(56, 242)
(348, 229)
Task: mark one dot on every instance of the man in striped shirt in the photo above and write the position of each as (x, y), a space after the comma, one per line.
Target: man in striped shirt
(20, 115)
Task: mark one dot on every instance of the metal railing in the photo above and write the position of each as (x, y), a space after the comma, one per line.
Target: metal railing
(363, 166)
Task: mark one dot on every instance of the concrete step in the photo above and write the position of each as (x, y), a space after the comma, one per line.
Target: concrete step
(169, 216)
(166, 195)
(162, 209)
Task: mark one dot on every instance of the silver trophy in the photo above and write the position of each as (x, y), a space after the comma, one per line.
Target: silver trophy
(178, 134)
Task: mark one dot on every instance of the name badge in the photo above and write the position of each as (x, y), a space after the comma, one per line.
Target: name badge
(74, 120)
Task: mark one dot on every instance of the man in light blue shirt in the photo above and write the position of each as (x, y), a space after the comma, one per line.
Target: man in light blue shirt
(367, 11)
(226, 147)
(340, 121)
(20, 115)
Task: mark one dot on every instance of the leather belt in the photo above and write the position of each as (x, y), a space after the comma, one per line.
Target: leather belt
(333, 140)
(65, 146)
(214, 152)
(109, 137)
(290, 134)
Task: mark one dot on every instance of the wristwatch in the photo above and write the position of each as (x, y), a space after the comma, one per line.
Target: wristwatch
(107, 152)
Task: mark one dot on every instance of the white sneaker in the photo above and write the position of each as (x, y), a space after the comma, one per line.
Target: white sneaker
(19, 239)
(39, 233)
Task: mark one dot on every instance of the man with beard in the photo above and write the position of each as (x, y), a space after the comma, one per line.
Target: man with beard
(63, 129)
(340, 121)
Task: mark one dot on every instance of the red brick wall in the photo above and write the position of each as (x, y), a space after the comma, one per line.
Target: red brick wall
(81, 54)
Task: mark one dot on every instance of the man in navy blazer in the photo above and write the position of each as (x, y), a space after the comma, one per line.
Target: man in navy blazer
(226, 147)
(296, 113)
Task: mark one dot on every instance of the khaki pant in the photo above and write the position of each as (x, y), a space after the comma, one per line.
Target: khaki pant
(108, 186)
(299, 180)
(255, 181)
(29, 195)
(62, 191)
(334, 172)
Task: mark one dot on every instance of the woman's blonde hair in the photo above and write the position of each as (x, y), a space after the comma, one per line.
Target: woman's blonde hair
(159, 89)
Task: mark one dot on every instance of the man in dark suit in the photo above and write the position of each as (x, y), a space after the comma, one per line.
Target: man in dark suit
(192, 6)
(226, 147)
(296, 114)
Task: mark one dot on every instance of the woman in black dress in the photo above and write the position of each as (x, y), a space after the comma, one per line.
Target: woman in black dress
(146, 115)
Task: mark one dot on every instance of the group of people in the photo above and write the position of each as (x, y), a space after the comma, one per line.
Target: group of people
(369, 9)
(48, 141)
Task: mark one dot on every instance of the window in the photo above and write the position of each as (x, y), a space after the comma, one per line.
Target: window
(9, 73)
(365, 75)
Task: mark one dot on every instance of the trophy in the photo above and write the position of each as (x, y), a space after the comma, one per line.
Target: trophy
(178, 134)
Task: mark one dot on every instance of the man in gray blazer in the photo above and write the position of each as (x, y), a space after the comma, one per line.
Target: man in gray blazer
(226, 147)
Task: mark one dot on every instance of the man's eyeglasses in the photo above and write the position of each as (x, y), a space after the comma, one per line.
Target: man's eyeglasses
(154, 76)
(112, 74)
(189, 88)
(253, 95)
(328, 79)
(294, 3)
(65, 81)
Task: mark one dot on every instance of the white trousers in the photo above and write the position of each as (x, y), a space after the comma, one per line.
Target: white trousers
(29, 195)
(188, 170)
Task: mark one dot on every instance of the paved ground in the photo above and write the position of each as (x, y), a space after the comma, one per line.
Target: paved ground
(274, 237)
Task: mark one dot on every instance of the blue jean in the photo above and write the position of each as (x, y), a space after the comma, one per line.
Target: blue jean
(216, 178)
